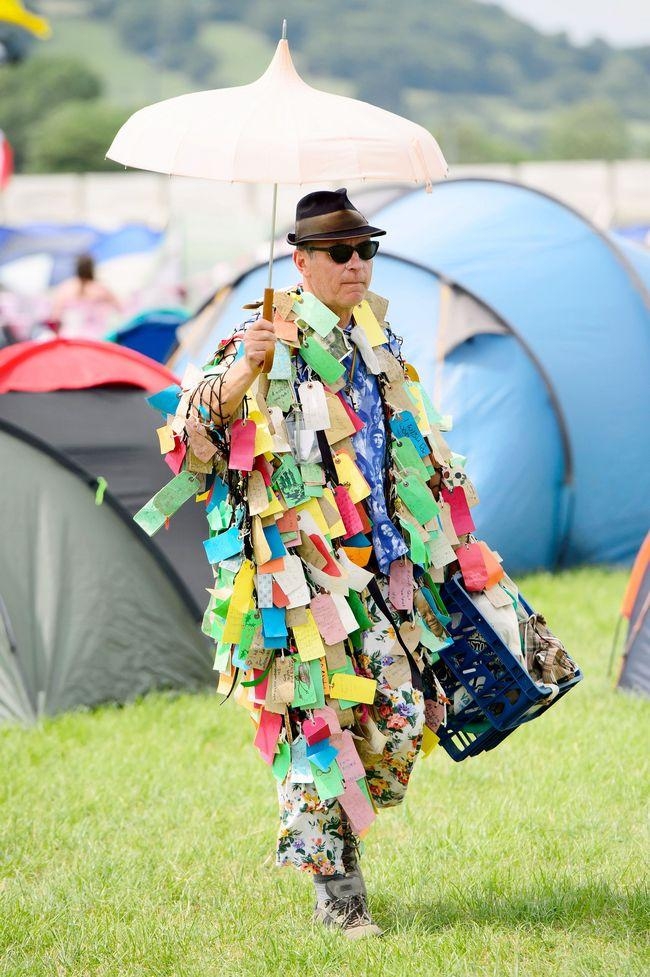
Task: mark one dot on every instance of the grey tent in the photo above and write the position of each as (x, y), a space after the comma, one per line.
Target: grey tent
(635, 667)
(91, 609)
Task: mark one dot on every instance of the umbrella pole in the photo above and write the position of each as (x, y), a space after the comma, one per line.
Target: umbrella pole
(267, 308)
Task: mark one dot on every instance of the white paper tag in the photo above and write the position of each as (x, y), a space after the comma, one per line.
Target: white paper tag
(315, 412)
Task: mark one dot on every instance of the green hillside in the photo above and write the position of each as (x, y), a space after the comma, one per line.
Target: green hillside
(490, 87)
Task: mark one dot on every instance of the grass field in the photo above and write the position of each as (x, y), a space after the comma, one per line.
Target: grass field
(139, 840)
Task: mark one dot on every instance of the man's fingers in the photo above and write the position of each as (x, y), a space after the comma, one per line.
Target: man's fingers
(261, 325)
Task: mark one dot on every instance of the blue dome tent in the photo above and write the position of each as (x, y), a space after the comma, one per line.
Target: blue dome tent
(532, 329)
(152, 333)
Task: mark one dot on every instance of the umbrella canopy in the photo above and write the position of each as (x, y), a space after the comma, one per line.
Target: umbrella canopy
(277, 130)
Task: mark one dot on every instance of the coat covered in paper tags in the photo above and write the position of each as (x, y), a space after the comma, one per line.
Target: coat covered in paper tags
(333, 480)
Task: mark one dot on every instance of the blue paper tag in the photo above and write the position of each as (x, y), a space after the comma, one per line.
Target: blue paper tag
(224, 545)
(404, 426)
(273, 622)
(166, 401)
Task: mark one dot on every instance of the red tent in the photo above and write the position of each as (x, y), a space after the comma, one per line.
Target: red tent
(6, 160)
(77, 364)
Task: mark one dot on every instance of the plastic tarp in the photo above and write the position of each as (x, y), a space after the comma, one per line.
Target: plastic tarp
(65, 242)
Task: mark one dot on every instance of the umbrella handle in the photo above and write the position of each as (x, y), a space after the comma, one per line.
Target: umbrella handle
(267, 312)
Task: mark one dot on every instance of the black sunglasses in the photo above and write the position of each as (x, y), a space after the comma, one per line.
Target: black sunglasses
(341, 253)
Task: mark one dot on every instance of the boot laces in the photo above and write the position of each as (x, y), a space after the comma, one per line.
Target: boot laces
(349, 911)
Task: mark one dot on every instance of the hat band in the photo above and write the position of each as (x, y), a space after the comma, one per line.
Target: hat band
(337, 220)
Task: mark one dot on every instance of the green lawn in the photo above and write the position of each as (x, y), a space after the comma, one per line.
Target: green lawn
(138, 841)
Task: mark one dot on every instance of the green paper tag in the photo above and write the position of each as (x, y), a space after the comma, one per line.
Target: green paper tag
(432, 414)
(311, 473)
(149, 518)
(251, 622)
(280, 394)
(317, 681)
(304, 693)
(281, 761)
(323, 363)
(222, 658)
(288, 481)
(359, 611)
(328, 783)
(312, 312)
(168, 500)
(406, 453)
(417, 548)
(417, 497)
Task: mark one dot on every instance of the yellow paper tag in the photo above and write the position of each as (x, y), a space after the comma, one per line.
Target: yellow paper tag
(429, 741)
(263, 439)
(337, 528)
(166, 438)
(273, 507)
(242, 594)
(350, 476)
(308, 640)
(419, 412)
(365, 317)
(226, 681)
(240, 602)
(315, 511)
(355, 688)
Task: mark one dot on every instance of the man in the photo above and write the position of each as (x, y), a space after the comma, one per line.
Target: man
(332, 522)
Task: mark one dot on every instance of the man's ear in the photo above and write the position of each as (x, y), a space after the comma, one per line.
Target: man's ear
(300, 260)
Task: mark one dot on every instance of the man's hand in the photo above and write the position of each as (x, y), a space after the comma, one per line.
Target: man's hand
(259, 339)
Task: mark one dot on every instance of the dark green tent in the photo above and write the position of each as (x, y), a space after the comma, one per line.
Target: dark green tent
(91, 609)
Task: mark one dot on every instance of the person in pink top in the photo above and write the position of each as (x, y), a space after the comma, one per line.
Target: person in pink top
(82, 305)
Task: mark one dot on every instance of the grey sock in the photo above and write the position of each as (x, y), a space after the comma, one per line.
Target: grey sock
(329, 888)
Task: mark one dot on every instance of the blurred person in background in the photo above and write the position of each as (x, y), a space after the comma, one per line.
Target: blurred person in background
(82, 306)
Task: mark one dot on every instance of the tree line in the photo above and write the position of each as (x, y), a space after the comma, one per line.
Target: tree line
(479, 64)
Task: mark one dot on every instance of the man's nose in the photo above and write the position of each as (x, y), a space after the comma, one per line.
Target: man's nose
(354, 261)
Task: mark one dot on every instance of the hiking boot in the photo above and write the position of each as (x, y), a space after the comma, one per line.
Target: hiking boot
(352, 866)
(341, 903)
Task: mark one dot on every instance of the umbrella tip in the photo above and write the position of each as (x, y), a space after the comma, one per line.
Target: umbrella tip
(284, 29)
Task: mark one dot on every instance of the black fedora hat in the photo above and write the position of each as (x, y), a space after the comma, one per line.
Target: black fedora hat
(326, 215)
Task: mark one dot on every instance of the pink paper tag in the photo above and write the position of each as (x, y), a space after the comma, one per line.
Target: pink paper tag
(242, 446)
(349, 762)
(264, 468)
(315, 730)
(348, 511)
(330, 717)
(460, 514)
(400, 585)
(260, 690)
(472, 566)
(175, 458)
(355, 804)
(327, 618)
(267, 735)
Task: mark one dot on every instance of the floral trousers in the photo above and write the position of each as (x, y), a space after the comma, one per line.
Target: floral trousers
(313, 833)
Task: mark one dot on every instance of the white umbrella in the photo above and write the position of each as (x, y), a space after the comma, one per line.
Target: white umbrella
(277, 130)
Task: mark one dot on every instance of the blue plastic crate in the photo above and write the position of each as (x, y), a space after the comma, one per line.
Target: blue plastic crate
(502, 694)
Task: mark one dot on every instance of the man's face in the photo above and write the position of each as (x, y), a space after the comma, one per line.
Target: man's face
(339, 287)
